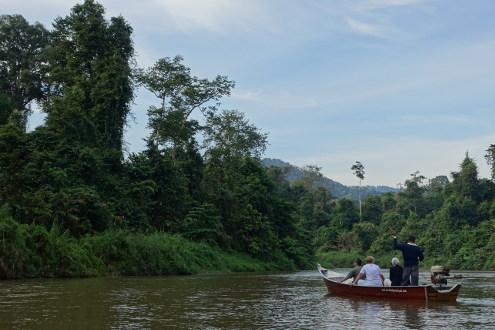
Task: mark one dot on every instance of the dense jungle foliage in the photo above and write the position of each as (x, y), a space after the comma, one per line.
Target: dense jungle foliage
(454, 221)
(73, 203)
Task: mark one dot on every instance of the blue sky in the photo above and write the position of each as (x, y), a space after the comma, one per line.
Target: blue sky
(401, 85)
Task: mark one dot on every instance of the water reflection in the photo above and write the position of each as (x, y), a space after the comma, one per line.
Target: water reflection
(235, 301)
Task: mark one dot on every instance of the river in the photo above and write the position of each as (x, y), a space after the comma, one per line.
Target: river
(230, 301)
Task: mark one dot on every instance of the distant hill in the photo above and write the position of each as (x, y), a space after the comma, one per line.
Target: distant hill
(335, 188)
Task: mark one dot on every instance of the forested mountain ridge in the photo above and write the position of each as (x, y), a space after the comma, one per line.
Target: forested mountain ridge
(293, 173)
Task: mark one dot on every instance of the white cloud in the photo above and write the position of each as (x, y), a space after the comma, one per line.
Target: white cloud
(44, 12)
(392, 3)
(224, 17)
(444, 119)
(365, 28)
(245, 95)
(373, 10)
(437, 70)
(276, 100)
(213, 15)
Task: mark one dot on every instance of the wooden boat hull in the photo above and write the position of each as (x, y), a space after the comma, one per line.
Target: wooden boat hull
(423, 292)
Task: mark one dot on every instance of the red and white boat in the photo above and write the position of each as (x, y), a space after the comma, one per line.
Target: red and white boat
(421, 292)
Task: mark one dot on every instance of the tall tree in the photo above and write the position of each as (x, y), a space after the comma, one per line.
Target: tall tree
(373, 209)
(177, 165)
(21, 67)
(171, 81)
(167, 79)
(465, 183)
(411, 198)
(180, 93)
(90, 70)
(69, 168)
(464, 194)
(230, 135)
(311, 176)
(230, 141)
(358, 171)
(345, 214)
(490, 159)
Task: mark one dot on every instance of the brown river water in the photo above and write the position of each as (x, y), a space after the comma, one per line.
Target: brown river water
(230, 301)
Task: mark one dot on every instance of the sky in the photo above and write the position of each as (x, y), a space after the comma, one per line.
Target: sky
(400, 85)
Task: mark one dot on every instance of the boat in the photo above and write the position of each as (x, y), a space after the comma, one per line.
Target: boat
(427, 293)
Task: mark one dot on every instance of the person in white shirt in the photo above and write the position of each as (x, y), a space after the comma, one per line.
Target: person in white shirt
(371, 272)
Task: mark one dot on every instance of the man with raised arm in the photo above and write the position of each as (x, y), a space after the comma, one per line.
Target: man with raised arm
(412, 256)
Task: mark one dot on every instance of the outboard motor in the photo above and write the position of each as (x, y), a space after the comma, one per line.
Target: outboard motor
(439, 275)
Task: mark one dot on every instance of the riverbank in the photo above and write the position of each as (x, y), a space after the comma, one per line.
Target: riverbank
(344, 259)
(30, 251)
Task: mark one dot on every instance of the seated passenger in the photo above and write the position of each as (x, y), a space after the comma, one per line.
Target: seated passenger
(372, 272)
(396, 272)
(355, 271)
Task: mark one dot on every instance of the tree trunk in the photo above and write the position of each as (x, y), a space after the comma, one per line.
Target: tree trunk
(360, 204)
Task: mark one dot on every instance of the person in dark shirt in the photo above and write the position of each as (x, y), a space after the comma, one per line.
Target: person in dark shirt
(355, 271)
(396, 272)
(412, 256)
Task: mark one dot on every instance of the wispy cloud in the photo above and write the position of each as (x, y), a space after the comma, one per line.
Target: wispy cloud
(214, 15)
(226, 16)
(365, 28)
(167, 16)
(245, 95)
(358, 17)
(391, 3)
(436, 70)
(459, 120)
(276, 100)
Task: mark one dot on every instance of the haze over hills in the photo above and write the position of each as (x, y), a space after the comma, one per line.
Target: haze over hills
(335, 188)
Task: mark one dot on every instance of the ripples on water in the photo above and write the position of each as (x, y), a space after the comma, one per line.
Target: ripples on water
(237, 301)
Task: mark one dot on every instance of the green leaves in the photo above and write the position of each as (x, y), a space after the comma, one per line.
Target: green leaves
(466, 181)
(358, 170)
(203, 223)
(22, 68)
(89, 69)
(490, 159)
(229, 136)
(167, 79)
(171, 81)
(32, 251)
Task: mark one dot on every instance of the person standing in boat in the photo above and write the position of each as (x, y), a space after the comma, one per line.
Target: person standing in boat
(355, 271)
(395, 272)
(412, 254)
(371, 272)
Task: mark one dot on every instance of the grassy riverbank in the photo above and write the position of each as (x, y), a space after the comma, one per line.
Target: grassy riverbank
(28, 251)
